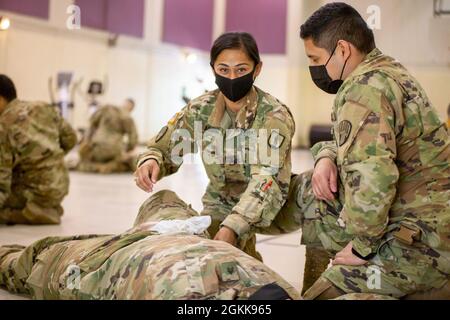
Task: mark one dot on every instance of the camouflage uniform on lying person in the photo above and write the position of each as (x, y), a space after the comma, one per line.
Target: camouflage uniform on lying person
(138, 264)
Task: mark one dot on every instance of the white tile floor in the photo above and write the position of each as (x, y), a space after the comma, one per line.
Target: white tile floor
(108, 205)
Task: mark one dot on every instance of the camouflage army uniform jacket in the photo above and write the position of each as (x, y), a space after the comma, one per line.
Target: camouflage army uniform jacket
(392, 153)
(33, 141)
(246, 194)
(108, 127)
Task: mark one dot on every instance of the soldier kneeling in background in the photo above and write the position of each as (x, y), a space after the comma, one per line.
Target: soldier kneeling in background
(104, 149)
(34, 139)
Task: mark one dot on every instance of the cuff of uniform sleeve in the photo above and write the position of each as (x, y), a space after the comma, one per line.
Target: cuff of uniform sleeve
(325, 154)
(236, 223)
(364, 248)
(144, 159)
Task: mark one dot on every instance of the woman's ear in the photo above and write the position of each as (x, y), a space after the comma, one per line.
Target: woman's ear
(258, 69)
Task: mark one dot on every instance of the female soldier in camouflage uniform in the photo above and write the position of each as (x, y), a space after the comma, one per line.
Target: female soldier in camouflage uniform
(243, 195)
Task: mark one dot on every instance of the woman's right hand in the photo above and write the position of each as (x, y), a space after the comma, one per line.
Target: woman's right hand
(147, 175)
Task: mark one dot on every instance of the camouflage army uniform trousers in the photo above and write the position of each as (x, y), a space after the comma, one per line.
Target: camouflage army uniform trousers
(398, 270)
(34, 202)
(102, 159)
(118, 267)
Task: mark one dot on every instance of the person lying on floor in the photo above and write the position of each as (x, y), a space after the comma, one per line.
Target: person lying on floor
(166, 255)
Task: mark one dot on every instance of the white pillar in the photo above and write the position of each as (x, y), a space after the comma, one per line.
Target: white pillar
(3, 51)
(219, 14)
(295, 64)
(153, 21)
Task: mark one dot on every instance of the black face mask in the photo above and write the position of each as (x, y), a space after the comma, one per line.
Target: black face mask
(321, 78)
(235, 89)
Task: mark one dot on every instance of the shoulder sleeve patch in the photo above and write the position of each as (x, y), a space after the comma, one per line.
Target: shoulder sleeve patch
(276, 140)
(344, 128)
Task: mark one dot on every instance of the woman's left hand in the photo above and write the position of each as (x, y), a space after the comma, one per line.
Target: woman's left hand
(227, 235)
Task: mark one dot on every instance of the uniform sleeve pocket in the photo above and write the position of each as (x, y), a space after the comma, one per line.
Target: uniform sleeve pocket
(351, 118)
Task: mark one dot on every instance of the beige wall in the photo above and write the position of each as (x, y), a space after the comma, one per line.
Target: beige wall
(409, 32)
(153, 73)
(147, 70)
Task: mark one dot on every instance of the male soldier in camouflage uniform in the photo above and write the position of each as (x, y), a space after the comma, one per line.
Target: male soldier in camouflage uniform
(138, 264)
(245, 192)
(104, 149)
(379, 195)
(33, 141)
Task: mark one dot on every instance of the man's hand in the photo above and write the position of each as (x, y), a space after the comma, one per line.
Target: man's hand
(147, 175)
(347, 258)
(227, 235)
(324, 179)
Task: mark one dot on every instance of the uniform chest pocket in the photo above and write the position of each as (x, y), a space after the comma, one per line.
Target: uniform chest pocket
(201, 275)
(212, 154)
(236, 157)
(228, 271)
(241, 152)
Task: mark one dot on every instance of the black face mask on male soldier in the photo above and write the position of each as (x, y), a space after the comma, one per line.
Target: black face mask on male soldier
(322, 79)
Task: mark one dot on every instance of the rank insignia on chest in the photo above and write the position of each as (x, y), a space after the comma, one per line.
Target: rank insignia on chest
(276, 140)
(344, 128)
